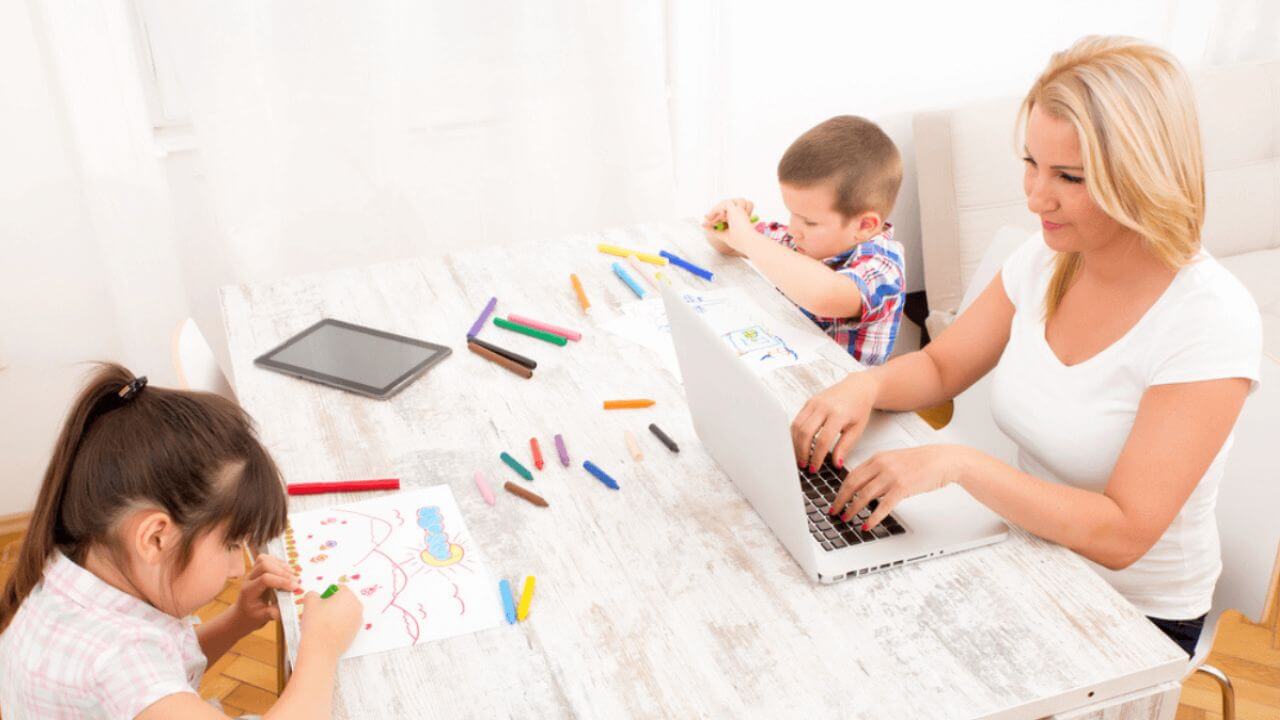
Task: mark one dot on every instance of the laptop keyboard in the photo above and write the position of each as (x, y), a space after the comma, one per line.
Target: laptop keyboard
(830, 531)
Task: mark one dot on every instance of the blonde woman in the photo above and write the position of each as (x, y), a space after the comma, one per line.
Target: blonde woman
(1122, 352)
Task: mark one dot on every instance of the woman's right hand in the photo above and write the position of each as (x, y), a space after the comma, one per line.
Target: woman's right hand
(332, 622)
(834, 419)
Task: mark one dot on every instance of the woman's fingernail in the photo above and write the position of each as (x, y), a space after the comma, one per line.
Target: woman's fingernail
(864, 527)
(840, 462)
(813, 468)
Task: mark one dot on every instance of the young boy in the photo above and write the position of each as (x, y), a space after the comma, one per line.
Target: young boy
(837, 260)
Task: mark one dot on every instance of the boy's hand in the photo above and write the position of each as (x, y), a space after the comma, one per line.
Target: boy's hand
(267, 575)
(718, 213)
(733, 214)
(333, 621)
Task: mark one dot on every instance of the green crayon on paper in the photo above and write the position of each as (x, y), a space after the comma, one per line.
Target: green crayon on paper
(722, 225)
(328, 591)
(515, 465)
(531, 332)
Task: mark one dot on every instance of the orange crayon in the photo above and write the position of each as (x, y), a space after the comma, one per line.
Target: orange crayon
(626, 404)
(582, 295)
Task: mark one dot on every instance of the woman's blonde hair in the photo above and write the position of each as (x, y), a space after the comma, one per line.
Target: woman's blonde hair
(1134, 112)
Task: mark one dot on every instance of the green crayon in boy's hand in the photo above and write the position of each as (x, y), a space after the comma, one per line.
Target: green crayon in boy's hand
(328, 591)
(722, 225)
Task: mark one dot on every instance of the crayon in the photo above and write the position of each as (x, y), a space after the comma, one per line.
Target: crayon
(686, 265)
(531, 332)
(722, 225)
(508, 605)
(526, 597)
(484, 315)
(318, 488)
(532, 497)
(328, 592)
(632, 445)
(562, 451)
(485, 492)
(600, 475)
(565, 333)
(514, 464)
(582, 295)
(626, 404)
(497, 359)
(626, 278)
(665, 438)
(537, 453)
(623, 252)
(514, 357)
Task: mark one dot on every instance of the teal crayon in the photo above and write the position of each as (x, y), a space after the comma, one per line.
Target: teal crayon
(514, 464)
(508, 602)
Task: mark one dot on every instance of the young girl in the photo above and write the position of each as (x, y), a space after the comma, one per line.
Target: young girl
(143, 516)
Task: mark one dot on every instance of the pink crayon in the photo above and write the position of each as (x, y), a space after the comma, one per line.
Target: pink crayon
(562, 332)
(485, 492)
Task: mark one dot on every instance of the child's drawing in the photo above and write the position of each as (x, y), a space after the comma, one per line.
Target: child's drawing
(760, 341)
(409, 558)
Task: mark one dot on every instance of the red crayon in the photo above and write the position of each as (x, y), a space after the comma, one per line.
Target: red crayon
(343, 486)
(537, 453)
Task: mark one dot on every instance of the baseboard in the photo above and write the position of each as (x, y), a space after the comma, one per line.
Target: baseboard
(16, 523)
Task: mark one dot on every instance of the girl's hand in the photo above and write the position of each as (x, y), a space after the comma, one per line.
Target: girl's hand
(893, 476)
(838, 413)
(333, 621)
(267, 575)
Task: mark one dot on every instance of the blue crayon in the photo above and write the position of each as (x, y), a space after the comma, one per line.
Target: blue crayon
(601, 475)
(631, 283)
(508, 604)
(686, 265)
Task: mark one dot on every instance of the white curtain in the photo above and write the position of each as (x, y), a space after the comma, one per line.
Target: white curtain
(337, 133)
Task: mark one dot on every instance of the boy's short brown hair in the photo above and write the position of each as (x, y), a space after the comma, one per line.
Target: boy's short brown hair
(856, 154)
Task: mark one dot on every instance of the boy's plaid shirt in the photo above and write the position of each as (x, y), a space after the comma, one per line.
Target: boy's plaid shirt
(876, 267)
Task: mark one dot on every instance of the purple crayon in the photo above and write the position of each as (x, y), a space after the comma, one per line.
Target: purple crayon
(561, 451)
(484, 315)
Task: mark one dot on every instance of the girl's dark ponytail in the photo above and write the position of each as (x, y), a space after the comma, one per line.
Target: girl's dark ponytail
(43, 534)
(193, 455)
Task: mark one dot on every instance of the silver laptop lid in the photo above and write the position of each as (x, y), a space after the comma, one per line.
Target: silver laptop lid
(742, 425)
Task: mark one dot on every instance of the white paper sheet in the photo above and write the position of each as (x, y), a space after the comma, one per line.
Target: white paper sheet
(410, 559)
(744, 326)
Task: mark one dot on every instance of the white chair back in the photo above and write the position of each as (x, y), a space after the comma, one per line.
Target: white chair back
(194, 363)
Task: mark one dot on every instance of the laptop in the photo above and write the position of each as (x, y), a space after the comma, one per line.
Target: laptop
(748, 433)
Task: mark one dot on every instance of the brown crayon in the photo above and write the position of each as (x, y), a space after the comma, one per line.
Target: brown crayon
(532, 497)
(497, 359)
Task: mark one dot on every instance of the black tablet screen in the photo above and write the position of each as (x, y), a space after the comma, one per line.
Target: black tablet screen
(353, 355)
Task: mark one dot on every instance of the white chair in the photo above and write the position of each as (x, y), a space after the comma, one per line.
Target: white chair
(1247, 503)
(971, 422)
(194, 363)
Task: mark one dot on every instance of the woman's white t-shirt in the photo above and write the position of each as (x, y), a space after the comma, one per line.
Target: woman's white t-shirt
(1071, 422)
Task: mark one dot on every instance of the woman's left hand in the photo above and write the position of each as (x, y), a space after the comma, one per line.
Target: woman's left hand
(893, 476)
(268, 574)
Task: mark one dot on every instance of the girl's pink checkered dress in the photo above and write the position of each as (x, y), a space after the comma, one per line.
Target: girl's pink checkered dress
(79, 648)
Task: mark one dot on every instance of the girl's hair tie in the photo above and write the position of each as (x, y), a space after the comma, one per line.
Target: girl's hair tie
(132, 388)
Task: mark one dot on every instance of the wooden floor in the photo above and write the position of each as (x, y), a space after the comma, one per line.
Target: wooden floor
(244, 680)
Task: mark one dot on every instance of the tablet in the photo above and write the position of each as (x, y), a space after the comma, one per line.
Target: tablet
(355, 358)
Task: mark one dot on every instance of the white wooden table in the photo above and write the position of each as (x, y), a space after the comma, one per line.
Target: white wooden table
(669, 598)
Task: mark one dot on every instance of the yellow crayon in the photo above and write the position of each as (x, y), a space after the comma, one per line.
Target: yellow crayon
(526, 597)
(623, 252)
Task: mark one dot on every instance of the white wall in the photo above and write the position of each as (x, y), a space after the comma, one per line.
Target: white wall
(753, 75)
(337, 133)
(55, 307)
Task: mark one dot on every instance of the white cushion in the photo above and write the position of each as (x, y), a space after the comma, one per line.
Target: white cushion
(970, 183)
